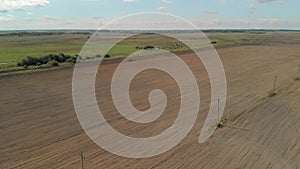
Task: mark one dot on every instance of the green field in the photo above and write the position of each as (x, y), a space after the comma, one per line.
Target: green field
(14, 47)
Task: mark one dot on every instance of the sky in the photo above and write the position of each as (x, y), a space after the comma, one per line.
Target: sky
(93, 14)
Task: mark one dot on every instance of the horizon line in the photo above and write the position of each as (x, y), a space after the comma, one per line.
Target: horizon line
(207, 29)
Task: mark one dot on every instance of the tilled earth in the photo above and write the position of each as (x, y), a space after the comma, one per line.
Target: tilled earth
(39, 127)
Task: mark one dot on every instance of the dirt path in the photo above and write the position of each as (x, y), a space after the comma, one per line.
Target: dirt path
(39, 128)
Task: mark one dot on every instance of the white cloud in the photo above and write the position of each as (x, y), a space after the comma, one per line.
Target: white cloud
(129, 0)
(7, 18)
(27, 19)
(7, 5)
(280, 2)
(262, 23)
(227, 0)
(257, 1)
(50, 18)
(166, 1)
(163, 9)
(264, 1)
(211, 12)
(57, 23)
(251, 6)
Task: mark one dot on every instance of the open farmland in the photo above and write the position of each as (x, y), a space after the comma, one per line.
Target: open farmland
(16, 46)
(39, 127)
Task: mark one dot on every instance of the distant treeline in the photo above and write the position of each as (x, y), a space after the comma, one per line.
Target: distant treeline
(89, 32)
(248, 30)
(41, 33)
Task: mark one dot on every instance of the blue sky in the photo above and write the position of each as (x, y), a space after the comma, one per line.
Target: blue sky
(92, 14)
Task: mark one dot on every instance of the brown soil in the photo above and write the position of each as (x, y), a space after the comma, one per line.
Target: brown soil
(39, 127)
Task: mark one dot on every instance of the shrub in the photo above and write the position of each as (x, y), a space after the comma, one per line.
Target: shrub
(98, 56)
(71, 60)
(29, 61)
(273, 93)
(149, 47)
(107, 55)
(53, 63)
(220, 125)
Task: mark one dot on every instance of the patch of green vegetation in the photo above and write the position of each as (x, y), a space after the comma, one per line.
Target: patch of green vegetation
(145, 42)
(32, 61)
(273, 93)
(12, 69)
(122, 49)
(220, 125)
(32, 69)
